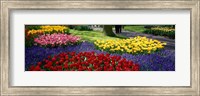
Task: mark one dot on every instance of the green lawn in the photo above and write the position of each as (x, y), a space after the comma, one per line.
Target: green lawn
(92, 36)
(135, 28)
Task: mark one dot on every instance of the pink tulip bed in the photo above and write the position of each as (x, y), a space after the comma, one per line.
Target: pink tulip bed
(56, 39)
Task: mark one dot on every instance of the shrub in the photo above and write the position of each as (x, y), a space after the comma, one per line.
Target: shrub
(71, 26)
(162, 31)
(32, 27)
(83, 28)
(148, 26)
(153, 26)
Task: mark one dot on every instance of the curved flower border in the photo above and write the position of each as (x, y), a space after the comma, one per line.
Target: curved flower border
(84, 61)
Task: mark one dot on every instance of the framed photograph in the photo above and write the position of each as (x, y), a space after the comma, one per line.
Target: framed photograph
(97, 47)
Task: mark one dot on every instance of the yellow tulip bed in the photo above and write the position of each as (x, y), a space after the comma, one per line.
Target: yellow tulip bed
(49, 30)
(132, 45)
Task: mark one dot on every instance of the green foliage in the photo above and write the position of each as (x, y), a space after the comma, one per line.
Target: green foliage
(92, 36)
(66, 31)
(162, 31)
(121, 36)
(29, 40)
(135, 28)
(82, 28)
(149, 26)
(32, 27)
(153, 26)
(168, 26)
(71, 26)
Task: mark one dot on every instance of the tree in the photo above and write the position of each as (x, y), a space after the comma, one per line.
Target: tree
(108, 30)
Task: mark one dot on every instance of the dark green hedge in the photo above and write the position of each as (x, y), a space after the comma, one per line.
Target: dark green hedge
(82, 28)
(168, 32)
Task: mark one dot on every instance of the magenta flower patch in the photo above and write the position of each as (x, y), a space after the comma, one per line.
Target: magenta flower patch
(56, 39)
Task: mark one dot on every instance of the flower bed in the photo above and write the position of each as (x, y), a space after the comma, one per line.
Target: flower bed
(52, 40)
(50, 30)
(133, 45)
(84, 61)
(163, 60)
(41, 30)
(63, 52)
(162, 31)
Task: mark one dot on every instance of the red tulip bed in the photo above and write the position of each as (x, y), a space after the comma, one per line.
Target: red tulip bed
(84, 61)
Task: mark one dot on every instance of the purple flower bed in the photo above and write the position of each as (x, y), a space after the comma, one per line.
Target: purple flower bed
(159, 61)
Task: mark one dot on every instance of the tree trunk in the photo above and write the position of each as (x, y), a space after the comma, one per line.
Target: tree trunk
(108, 30)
